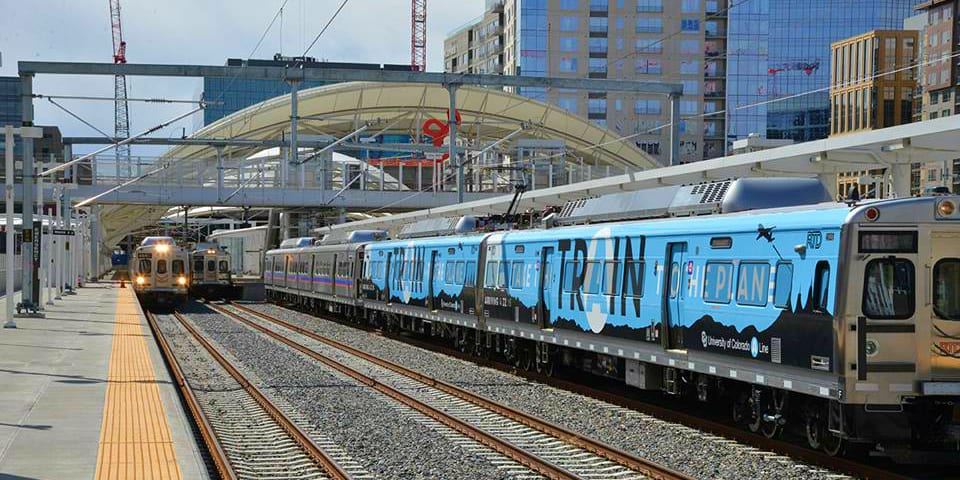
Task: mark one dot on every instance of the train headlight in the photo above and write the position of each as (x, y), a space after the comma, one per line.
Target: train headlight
(946, 208)
(181, 280)
(140, 280)
(163, 248)
(211, 251)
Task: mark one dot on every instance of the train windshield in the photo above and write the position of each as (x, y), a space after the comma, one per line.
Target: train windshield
(161, 266)
(145, 266)
(224, 267)
(888, 288)
(177, 266)
(946, 289)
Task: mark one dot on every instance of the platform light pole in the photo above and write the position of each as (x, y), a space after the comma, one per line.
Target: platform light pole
(10, 264)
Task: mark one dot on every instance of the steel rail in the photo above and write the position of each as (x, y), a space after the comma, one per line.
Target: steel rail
(217, 453)
(539, 465)
(646, 467)
(295, 432)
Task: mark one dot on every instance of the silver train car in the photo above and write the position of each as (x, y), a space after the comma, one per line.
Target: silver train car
(210, 271)
(160, 271)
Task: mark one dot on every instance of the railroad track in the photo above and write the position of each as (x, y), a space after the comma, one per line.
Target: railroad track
(544, 448)
(247, 435)
(781, 447)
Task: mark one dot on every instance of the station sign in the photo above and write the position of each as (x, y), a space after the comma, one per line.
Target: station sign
(60, 231)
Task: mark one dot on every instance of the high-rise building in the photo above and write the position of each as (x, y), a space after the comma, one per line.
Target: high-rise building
(779, 50)
(477, 46)
(864, 97)
(940, 79)
(11, 106)
(743, 64)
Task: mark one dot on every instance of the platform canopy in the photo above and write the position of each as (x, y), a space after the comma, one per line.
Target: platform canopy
(486, 114)
(893, 149)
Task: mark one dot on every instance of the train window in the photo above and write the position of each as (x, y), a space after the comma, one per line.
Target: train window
(470, 276)
(161, 266)
(783, 285)
(946, 289)
(721, 242)
(224, 266)
(490, 276)
(821, 286)
(502, 275)
(675, 279)
(516, 279)
(610, 278)
(212, 266)
(717, 281)
(177, 267)
(448, 274)
(145, 266)
(593, 277)
(633, 278)
(459, 278)
(753, 284)
(888, 288)
(569, 271)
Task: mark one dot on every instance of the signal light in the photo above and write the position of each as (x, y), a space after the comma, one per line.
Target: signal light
(872, 214)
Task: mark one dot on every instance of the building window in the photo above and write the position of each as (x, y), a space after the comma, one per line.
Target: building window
(647, 107)
(599, 24)
(690, 67)
(690, 25)
(568, 44)
(648, 66)
(647, 6)
(568, 65)
(691, 87)
(688, 46)
(568, 103)
(597, 106)
(598, 45)
(649, 45)
(569, 4)
(649, 25)
(598, 65)
(599, 5)
(689, 107)
(617, 104)
(569, 24)
(690, 6)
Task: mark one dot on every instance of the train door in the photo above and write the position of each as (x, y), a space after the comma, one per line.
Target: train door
(944, 267)
(546, 293)
(387, 278)
(334, 273)
(434, 303)
(672, 335)
(311, 280)
(359, 272)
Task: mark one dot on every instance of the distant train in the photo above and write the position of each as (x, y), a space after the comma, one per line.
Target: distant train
(838, 321)
(210, 271)
(160, 271)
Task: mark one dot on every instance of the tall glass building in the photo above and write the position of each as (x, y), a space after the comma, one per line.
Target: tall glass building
(778, 49)
(239, 93)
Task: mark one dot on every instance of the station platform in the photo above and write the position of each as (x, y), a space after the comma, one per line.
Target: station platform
(84, 393)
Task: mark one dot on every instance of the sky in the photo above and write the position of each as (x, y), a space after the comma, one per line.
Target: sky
(199, 32)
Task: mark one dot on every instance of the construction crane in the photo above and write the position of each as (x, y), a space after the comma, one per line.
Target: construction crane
(418, 35)
(121, 114)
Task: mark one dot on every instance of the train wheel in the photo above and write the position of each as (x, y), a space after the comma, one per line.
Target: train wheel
(814, 428)
(740, 408)
(834, 445)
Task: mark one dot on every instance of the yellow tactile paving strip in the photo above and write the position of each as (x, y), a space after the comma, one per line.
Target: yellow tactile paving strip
(135, 441)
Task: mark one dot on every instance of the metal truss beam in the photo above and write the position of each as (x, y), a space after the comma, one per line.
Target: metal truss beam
(332, 74)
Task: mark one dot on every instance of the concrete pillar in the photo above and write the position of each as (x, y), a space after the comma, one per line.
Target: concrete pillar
(452, 123)
(900, 180)
(29, 271)
(829, 181)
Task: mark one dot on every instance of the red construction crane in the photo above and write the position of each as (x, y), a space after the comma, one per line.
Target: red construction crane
(121, 113)
(418, 35)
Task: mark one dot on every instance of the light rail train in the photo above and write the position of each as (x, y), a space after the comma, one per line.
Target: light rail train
(840, 321)
(160, 271)
(210, 271)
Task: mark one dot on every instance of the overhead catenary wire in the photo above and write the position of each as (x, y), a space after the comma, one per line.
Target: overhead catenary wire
(325, 27)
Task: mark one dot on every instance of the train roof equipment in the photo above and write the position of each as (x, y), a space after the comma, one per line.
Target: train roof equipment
(148, 241)
(356, 236)
(297, 242)
(725, 196)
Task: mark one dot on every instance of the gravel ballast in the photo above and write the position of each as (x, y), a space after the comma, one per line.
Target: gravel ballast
(389, 440)
(685, 449)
